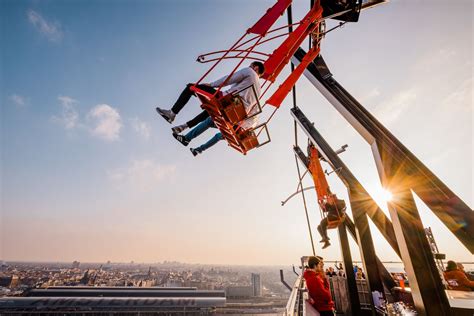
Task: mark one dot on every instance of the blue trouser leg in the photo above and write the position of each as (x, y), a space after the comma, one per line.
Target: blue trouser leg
(199, 129)
(210, 142)
(198, 119)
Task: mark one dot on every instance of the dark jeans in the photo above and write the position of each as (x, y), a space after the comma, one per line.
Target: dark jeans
(183, 99)
(201, 128)
(326, 313)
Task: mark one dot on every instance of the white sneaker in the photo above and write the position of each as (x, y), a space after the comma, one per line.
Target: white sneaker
(168, 115)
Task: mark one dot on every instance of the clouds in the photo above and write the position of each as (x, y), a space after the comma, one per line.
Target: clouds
(103, 121)
(372, 94)
(69, 116)
(390, 110)
(449, 70)
(106, 122)
(142, 175)
(50, 29)
(142, 128)
(18, 100)
(461, 97)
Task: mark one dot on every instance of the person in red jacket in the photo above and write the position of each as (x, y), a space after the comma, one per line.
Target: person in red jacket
(456, 278)
(318, 287)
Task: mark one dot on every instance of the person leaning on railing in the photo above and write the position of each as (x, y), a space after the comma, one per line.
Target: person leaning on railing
(318, 287)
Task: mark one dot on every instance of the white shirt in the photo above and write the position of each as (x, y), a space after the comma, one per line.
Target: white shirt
(242, 79)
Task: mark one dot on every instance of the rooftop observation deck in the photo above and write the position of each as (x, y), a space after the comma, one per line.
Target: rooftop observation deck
(461, 302)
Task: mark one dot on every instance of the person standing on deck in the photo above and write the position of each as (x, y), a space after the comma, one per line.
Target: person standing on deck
(318, 287)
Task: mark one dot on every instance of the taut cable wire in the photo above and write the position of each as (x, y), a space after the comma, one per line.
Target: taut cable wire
(305, 207)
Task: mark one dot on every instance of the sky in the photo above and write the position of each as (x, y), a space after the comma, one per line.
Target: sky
(89, 172)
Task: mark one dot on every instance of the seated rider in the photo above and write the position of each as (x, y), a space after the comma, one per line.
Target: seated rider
(334, 212)
(239, 81)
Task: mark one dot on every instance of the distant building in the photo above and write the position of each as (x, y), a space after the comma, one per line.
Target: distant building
(5, 281)
(9, 281)
(239, 292)
(107, 266)
(75, 264)
(256, 284)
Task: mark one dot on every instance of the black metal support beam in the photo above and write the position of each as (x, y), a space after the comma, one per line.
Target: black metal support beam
(366, 248)
(387, 278)
(348, 268)
(282, 279)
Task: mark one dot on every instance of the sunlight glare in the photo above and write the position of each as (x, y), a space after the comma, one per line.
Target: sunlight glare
(386, 195)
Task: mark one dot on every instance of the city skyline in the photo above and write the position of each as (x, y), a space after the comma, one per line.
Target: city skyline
(91, 173)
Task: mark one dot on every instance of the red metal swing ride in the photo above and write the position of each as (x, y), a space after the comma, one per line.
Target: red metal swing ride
(228, 112)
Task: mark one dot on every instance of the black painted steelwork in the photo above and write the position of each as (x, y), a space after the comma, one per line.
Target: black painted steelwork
(282, 279)
(331, 7)
(354, 301)
(401, 172)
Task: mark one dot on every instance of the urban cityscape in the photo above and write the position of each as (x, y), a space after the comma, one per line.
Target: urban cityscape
(247, 289)
(224, 158)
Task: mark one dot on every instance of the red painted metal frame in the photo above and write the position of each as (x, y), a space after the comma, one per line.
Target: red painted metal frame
(280, 94)
(281, 56)
(265, 23)
(232, 133)
(273, 65)
(319, 178)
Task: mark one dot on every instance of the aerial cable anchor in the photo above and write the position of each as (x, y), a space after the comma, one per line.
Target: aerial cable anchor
(336, 170)
(337, 152)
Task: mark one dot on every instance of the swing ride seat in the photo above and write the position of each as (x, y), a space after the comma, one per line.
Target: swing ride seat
(227, 111)
(336, 218)
(334, 223)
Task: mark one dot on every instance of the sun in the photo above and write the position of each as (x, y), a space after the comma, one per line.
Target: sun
(386, 195)
(381, 196)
